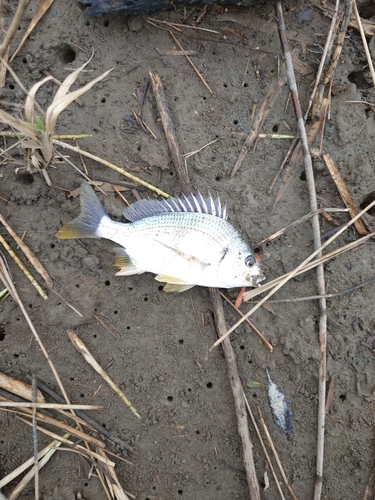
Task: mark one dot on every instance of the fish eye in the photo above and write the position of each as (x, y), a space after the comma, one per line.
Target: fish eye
(250, 261)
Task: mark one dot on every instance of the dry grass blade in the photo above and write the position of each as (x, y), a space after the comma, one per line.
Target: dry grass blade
(29, 254)
(27, 412)
(252, 326)
(22, 267)
(311, 265)
(329, 400)
(6, 278)
(49, 406)
(12, 30)
(191, 63)
(42, 9)
(35, 441)
(63, 439)
(51, 448)
(113, 167)
(84, 419)
(30, 99)
(112, 481)
(344, 192)
(257, 125)
(61, 100)
(270, 442)
(364, 41)
(299, 221)
(263, 446)
(29, 476)
(21, 126)
(80, 346)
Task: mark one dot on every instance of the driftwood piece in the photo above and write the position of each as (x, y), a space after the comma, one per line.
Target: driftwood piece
(98, 8)
(221, 327)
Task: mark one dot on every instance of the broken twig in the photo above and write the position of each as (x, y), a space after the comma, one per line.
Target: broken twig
(344, 192)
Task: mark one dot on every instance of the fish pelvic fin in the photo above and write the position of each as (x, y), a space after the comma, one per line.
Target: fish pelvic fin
(86, 225)
(173, 284)
(169, 287)
(123, 261)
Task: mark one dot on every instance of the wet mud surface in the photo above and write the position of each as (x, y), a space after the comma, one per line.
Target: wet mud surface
(186, 442)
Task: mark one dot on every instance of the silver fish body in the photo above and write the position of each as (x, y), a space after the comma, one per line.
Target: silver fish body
(184, 241)
(281, 412)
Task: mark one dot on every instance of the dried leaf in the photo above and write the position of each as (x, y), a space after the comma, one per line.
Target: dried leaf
(30, 100)
(253, 383)
(23, 127)
(267, 306)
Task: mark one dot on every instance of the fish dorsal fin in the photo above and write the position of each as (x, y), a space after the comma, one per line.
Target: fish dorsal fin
(192, 203)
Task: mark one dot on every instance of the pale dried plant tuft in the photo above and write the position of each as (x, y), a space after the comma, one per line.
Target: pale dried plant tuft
(38, 128)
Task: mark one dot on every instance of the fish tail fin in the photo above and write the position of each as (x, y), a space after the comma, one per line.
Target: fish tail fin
(87, 224)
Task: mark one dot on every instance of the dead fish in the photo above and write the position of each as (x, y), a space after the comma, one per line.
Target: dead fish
(281, 412)
(185, 241)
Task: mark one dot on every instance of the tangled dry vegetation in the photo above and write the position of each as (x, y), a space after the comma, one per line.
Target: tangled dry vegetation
(34, 130)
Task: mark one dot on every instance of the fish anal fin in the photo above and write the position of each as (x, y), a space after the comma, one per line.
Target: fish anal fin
(173, 287)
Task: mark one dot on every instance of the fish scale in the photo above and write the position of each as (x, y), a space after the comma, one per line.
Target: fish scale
(185, 241)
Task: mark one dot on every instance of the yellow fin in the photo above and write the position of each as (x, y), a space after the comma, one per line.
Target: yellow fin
(169, 279)
(123, 261)
(73, 230)
(122, 258)
(170, 287)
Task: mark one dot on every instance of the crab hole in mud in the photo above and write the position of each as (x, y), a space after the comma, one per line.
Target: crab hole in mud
(66, 54)
(25, 177)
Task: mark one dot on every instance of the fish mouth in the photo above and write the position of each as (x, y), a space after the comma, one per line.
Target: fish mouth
(255, 280)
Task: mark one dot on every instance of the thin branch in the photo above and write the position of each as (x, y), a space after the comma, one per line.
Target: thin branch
(317, 245)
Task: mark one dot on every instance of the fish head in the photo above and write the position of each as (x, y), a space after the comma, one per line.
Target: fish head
(239, 267)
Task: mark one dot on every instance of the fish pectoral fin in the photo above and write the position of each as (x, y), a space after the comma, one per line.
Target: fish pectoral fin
(171, 287)
(123, 261)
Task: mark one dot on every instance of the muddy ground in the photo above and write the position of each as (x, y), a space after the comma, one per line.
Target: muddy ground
(186, 442)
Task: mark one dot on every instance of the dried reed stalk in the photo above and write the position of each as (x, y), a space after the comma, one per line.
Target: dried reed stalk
(84, 418)
(257, 125)
(12, 30)
(263, 447)
(344, 192)
(112, 166)
(19, 388)
(81, 348)
(364, 41)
